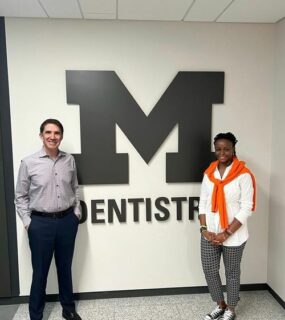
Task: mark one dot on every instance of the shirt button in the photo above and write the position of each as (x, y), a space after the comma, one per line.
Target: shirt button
(58, 196)
(57, 185)
(56, 174)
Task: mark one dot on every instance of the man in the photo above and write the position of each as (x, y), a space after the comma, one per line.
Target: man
(47, 201)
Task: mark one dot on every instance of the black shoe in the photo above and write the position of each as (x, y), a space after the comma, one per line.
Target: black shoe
(215, 314)
(70, 315)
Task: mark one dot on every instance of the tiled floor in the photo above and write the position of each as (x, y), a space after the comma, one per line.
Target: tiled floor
(253, 305)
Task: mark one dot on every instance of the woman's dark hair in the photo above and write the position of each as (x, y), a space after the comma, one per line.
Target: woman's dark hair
(52, 121)
(228, 136)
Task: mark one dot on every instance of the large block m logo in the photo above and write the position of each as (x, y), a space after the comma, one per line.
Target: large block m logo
(105, 101)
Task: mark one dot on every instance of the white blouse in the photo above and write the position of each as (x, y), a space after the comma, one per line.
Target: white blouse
(239, 201)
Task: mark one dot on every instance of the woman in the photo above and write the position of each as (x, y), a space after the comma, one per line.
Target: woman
(226, 201)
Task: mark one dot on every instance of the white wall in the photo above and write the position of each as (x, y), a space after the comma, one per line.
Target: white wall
(276, 257)
(146, 56)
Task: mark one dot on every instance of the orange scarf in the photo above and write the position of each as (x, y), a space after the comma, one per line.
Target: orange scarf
(218, 196)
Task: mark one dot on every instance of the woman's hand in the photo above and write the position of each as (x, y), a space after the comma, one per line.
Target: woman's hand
(219, 238)
(208, 235)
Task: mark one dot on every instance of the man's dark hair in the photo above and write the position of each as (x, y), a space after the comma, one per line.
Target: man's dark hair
(52, 121)
(228, 136)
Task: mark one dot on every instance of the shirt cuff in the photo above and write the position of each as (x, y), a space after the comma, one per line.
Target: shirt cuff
(26, 220)
(77, 212)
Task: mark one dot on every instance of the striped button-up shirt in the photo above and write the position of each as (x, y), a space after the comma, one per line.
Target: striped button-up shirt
(46, 185)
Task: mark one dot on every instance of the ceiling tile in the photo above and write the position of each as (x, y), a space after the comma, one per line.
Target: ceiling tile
(98, 6)
(62, 8)
(206, 10)
(153, 9)
(20, 8)
(254, 11)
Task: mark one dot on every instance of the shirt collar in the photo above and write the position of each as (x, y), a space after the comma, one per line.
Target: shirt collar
(42, 153)
(228, 168)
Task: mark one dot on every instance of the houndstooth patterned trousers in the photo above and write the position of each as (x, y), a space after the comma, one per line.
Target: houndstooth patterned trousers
(211, 256)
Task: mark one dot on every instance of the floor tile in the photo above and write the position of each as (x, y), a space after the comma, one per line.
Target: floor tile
(146, 312)
(254, 305)
(8, 312)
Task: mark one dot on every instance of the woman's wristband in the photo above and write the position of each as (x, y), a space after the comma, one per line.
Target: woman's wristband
(203, 228)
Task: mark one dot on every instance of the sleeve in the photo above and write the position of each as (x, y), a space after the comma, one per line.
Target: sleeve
(22, 199)
(246, 198)
(75, 188)
(204, 194)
